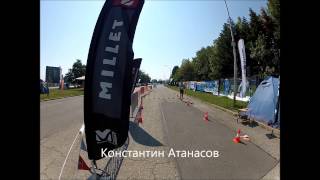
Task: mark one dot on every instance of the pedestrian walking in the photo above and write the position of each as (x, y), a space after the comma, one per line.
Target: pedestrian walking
(181, 87)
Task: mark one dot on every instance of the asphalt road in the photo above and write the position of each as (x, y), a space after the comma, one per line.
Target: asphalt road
(186, 130)
(59, 115)
(60, 121)
(183, 127)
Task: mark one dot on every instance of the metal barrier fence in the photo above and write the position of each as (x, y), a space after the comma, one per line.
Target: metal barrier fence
(134, 102)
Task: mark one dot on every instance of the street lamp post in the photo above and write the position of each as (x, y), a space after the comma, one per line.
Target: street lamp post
(234, 60)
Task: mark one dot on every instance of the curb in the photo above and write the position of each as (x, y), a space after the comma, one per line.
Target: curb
(58, 98)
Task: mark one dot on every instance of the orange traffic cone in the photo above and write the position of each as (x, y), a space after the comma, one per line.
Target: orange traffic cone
(205, 117)
(139, 117)
(237, 138)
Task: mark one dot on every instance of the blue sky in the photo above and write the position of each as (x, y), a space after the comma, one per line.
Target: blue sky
(167, 31)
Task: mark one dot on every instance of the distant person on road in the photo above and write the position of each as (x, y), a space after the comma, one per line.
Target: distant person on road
(181, 87)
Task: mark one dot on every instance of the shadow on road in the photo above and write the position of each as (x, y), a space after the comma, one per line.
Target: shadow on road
(141, 136)
(271, 136)
(242, 143)
(210, 121)
(250, 124)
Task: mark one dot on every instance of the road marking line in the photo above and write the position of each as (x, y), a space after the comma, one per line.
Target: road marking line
(64, 163)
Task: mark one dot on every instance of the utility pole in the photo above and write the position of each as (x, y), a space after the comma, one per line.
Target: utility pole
(234, 60)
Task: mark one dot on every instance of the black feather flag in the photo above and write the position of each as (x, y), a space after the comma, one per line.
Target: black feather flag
(83, 145)
(109, 79)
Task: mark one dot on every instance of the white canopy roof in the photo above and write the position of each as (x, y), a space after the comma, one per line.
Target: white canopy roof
(81, 78)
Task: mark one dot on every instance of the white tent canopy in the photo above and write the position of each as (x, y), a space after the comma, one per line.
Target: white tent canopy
(81, 78)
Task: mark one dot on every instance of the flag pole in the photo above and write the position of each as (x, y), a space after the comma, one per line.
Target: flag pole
(234, 59)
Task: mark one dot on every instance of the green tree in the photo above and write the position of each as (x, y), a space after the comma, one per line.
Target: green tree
(256, 26)
(174, 71)
(201, 64)
(144, 78)
(222, 54)
(177, 76)
(242, 29)
(261, 35)
(78, 69)
(274, 9)
(186, 70)
(69, 77)
(263, 55)
(215, 64)
(270, 27)
(256, 29)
